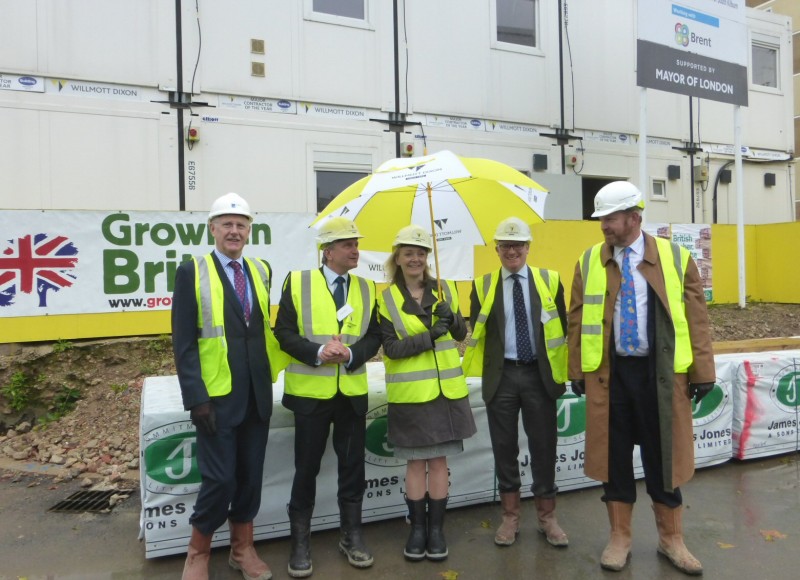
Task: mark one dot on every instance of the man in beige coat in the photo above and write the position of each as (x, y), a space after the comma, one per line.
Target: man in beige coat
(640, 349)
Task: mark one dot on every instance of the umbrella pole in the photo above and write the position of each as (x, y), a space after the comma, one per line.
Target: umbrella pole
(435, 246)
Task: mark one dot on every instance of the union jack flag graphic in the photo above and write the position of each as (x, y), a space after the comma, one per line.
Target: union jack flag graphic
(36, 263)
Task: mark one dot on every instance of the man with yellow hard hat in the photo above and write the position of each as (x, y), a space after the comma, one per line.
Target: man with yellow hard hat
(327, 323)
(518, 347)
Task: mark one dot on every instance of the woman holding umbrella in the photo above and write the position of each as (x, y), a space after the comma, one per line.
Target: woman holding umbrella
(429, 413)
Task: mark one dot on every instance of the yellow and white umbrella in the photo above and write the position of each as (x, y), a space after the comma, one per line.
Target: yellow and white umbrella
(460, 199)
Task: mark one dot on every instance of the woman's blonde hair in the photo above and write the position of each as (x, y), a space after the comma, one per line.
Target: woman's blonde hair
(395, 274)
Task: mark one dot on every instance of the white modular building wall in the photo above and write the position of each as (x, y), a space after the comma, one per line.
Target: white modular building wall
(97, 137)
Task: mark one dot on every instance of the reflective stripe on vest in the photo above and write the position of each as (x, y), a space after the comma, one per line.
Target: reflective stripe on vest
(317, 321)
(212, 345)
(594, 291)
(546, 283)
(420, 378)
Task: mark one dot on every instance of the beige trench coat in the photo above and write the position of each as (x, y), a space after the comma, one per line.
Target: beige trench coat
(675, 409)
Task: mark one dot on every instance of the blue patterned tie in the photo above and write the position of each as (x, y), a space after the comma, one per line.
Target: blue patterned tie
(338, 292)
(628, 322)
(524, 349)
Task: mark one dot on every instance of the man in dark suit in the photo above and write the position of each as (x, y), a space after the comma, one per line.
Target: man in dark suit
(327, 323)
(226, 356)
(518, 347)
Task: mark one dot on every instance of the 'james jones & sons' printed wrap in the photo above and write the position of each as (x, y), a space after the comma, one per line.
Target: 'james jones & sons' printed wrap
(170, 480)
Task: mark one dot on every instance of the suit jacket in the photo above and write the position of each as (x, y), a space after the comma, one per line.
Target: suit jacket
(494, 351)
(247, 350)
(674, 404)
(301, 348)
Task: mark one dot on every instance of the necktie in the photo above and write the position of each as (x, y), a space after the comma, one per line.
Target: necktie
(524, 348)
(338, 292)
(241, 290)
(628, 323)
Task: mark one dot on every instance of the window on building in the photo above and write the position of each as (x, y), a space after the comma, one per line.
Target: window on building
(516, 21)
(347, 8)
(765, 64)
(659, 190)
(332, 183)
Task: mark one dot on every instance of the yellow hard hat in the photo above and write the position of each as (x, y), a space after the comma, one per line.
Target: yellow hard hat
(338, 228)
(617, 196)
(512, 229)
(413, 235)
(230, 203)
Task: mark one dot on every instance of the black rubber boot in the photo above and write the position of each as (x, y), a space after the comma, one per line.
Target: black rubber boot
(418, 537)
(437, 546)
(300, 556)
(350, 542)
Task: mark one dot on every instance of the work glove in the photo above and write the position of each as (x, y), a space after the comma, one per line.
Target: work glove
(578, 387)
(699, 390)
(443, 312)
(204, 418)
(440, 328)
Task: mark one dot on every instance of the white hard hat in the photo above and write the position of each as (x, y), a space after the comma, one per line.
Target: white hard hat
(617, 196)
(338, 228)
(413, 235)
(512, 229)
(230, 203)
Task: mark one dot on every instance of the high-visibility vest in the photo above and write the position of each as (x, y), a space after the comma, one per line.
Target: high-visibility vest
(212, 345)
(317, 321)
(420, 378)
(594, 293)
(546, 283)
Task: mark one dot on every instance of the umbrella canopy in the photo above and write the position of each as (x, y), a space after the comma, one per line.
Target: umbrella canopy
(462, 199)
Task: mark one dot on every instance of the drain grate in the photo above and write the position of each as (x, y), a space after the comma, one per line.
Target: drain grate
(87, 501)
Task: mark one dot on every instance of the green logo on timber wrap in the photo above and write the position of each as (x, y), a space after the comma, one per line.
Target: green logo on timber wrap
(785, 391)
(711, 406)
(378, 450)
(571, 419)
(169, 459)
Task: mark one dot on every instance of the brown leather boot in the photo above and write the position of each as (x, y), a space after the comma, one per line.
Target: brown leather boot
(243, 553)
(618, 549)
(548, 524)
(197, 556)
(670, 539)
(509, 528)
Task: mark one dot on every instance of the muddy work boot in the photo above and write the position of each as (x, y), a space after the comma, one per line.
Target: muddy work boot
(243, 555)
(197, 556)
(618, 550)
(350, 542)
(300, 556)
(509, 528)
(669, 522)
(548, 524)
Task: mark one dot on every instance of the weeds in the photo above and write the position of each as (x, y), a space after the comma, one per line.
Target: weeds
(63, 402)
(62, 346)
(19, 392)
(118, 388)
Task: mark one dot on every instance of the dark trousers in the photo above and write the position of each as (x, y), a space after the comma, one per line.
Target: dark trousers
(231, 467)
(634, 420)
(310, 439)
(521, 391)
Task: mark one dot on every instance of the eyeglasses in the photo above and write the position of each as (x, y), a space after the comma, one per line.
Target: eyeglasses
(507, 247)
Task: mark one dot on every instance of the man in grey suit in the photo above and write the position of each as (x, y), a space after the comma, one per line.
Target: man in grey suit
(518, 347)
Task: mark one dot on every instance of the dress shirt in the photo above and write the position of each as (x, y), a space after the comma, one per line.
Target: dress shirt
(225, 261)
(330, 278)
(508, 307)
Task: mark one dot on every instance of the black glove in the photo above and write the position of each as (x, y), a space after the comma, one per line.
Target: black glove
(439, 329)
(699, 390)
(443, 312)
(204, 418)
(578, 387)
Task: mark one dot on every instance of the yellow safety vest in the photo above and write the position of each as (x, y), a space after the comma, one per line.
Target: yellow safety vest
(317, 321)
(594, 293)
(420, 378)
(212, 346)
(546, 283)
